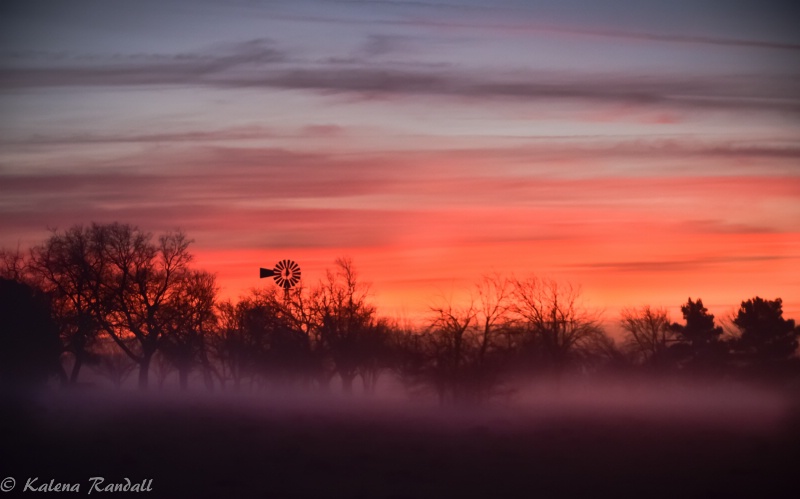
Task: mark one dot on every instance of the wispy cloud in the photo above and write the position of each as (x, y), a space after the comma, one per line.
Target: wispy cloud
(633, 151)
(261, 64)
(479, 18)
(666, 266)
(514, 163)
(84, 138)
(382, 44)
(385, 196)
(41, 69)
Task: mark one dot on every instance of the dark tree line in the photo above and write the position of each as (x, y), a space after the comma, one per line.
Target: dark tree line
(759, 341)
(119, 299)
(118, 283)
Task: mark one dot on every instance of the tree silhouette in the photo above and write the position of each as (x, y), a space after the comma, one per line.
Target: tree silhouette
(29, 345)
(699, 329)
(496, 330)
(13, 265)
(347, 323)
(70, 267)
(412, 360)
(229, 345)
(143, 281)
(282, 351)
(555, 329)
(464, 350)
(452, 345)
(375, 353)
(259, 338)
(316, 333)
(699, 340)
(115, 290)
(648, 335)
(192, 319)
(305, 315)
(766, 337)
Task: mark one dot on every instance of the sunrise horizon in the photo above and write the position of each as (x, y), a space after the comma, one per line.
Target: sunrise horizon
(647, 154)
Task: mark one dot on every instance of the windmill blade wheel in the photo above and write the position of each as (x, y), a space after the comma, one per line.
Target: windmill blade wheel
(287, 274)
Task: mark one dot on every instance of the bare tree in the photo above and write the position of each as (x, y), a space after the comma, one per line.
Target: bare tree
(411, 360)
(452, 346)
(648, 334)
(556, 329)
(145, 277)
(286, 348)
(13, 265)
(259, 339)
(192, 318)
(70, 268)
(228, 345)
(494, 293)
(347, 322)
(375, 353)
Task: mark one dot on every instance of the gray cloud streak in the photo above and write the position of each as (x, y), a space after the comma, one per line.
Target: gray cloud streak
(260, 64)
(550, 28)
(679, 265)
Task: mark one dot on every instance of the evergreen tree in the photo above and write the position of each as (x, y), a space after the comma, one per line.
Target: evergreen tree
(766, 336)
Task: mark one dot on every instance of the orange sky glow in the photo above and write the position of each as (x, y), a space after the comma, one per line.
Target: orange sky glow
(647, 154)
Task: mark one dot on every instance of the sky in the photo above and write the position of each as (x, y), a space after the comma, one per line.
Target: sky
(647, 151)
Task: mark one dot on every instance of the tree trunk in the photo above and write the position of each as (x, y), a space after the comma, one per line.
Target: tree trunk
(144, 369)
(76, 369)
(369, 379)
(62, 375)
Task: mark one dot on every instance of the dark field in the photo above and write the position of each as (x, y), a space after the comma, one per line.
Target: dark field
(617, 441)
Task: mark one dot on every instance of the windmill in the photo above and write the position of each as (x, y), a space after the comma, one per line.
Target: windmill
(286, 274)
